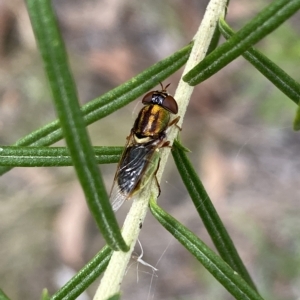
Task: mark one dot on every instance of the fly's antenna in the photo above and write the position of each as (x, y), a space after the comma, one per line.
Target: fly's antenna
(164, 89)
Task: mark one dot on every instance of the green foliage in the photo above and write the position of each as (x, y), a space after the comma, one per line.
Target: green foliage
(297, 119)
(45, 295)
(3, 296)
(264, 23)
(229, 278)
(208, 214)
(64, 94)
(227, 268)
(85, 276)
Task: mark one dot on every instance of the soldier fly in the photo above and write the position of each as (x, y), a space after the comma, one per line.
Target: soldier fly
(140, 159)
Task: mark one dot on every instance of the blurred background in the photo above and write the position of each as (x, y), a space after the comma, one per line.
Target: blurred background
(238, 127)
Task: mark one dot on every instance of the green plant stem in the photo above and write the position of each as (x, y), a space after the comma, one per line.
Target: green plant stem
(52, 156)
(66, 102)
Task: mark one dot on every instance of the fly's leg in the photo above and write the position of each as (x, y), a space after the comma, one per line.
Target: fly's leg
(163, 145)
(129, 136)
(174, 122)
(157, 183)
(166, 144)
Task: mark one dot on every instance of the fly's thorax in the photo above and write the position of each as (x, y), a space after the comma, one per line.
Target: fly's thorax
(142, 140)
(149, 141)
(152, 121)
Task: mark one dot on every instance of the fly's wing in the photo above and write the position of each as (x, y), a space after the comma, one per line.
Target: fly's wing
(116, 197)
(151, 169)
(130, 172)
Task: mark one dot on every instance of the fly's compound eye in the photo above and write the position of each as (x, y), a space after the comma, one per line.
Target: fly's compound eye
(170, 104)
(148, 98)
(162, 99)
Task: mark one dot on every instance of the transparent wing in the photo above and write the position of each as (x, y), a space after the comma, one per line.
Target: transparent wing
(131, 170)
(117, 198)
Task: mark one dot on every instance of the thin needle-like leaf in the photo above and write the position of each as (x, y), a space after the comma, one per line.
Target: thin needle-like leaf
(115, 297)
(3, 296)
(269, 69)
(216, 36)
(13, 156)
(208, 213)
(45, 295)
(297, 119)
(85, 277)
(66, 102)
(229, 278)
(111, 101)
(260, 26)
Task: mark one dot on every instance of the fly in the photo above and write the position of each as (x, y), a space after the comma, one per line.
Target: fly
(141, 156)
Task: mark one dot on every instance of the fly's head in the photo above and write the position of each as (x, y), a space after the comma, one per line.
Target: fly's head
(161, 98)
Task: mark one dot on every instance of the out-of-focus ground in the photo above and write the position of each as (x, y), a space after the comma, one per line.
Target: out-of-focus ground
(238, 127)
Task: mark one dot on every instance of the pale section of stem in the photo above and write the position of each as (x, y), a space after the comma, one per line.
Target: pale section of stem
(202, 39)
(113, 276)
(112, 279)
